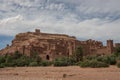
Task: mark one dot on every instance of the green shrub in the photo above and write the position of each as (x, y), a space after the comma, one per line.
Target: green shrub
(21, 63)
(78, 54)
(93, 64)
(85, 63)
(2, 65)
(97, 64)
(2, 59)
(104, 59)
(117, 53)
(20, 60)
(118, 64)
(60, 63)
(38, 59)
(46, 63)
(71, 61)
(63, 61)
(9, 59)
(33, 64)
(78, 63)
(112, 59)
(11, 64)
(17, 55)
(118, 58)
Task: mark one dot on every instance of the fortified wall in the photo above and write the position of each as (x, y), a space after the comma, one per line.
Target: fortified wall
(50, 46)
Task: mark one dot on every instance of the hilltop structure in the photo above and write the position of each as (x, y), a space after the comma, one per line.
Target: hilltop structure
(50, 46)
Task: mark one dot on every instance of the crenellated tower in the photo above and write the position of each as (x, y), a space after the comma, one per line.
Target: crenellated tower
(110, 46)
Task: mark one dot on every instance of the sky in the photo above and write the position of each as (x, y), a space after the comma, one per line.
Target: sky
(85, 19)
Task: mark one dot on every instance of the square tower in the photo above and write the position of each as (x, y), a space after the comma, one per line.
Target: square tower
(37, 31)
(110, 46)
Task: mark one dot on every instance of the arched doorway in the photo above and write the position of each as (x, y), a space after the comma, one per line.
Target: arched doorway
(47, 57)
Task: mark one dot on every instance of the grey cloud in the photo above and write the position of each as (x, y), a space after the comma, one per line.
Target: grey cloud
(97, 19)
(93, 28)
(84, 9)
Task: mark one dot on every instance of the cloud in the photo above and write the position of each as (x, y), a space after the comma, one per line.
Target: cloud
(88, 29)
(96, 19)
(11, 20)
(83, 8)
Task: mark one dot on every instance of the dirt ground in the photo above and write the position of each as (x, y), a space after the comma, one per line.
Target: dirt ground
(60, 73)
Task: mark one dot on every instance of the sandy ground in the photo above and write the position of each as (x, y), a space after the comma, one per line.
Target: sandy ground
(60, 73)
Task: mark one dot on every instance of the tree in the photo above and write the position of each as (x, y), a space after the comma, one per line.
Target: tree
(118, 50)
(61, 61)
(2, 59)
(79, 54)
(17, 55)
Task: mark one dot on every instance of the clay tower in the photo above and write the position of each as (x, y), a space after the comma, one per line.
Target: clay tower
(37, 31)
(110, 46)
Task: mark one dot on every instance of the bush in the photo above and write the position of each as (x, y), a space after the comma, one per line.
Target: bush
(46, 63)
(63, 61)
(104, 59)
(112, 59)
(90, 57)
(2, 59)
(78, 54)
(18, 59)
(71, 61)
(85, 64)
(93, 64)
(25, 60)
(118, 58)
(60, 63)
(11, 64)
(20, 62)
(33, 64)
(78, 63)
(38, 59)
(97, 64)
(118, 64)
(117, 53)
(2, 65)
(17, 55)
(9, 59)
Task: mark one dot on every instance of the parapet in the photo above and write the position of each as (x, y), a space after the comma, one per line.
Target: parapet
(37, 31)
(117, 44)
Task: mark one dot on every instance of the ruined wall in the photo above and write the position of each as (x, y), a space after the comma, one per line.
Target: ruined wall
(117, 45)
(92, 47)
(110, 47)
(85, 47)
(102, 51)
(54, 45)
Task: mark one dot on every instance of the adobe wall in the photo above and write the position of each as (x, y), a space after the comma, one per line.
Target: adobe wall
(117, 44)
(54, 45)
(102, 51)
(85, 47)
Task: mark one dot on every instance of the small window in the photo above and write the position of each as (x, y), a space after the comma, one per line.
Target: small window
(47, 57)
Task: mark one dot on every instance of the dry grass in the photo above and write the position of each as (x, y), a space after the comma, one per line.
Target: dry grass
(59, 73)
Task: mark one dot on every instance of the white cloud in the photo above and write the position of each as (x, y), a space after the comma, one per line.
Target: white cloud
(96, 19)
(93, 28)
(11, 20)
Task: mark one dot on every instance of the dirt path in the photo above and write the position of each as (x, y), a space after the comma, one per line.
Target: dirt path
(59, 73)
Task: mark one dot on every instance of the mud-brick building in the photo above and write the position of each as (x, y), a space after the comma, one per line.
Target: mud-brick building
(50, 46)
(117, 44)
